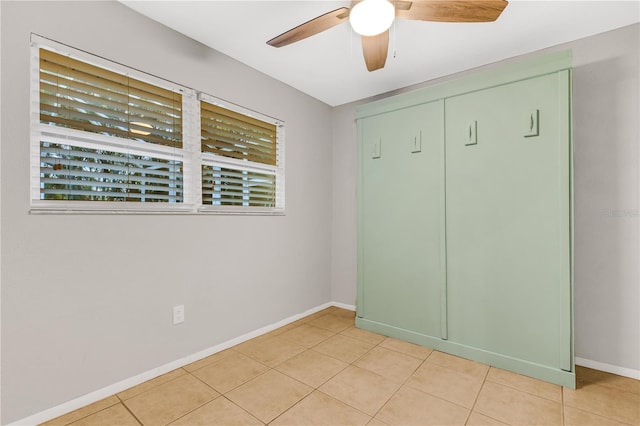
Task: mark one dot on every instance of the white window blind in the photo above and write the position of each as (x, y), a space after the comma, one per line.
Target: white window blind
(108, 138)
(69, 172)
(242, 157)
(78, 95)
(222, 186)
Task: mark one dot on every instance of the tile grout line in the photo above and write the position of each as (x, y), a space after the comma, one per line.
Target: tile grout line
(562, 404)
(212, 362)
(247, 381)
(338, 359)
(305, 349)
(475, 401)
(360, 357)
(449, 401)
(290, 408)
(295, 403)
(348, 405)
(407, 380)
(269, 368)
(195, 408)
(589, 411)
(242, 408)
(387, 400)
(599, 385)
(316, 344)
(349, 364)
(404, 353)
(403, 383)
(152, 387)
(526, 391)
(360, 340)
(224, 395)
(84, 417)
(131, 412)
(624, 423)
(615, 388)
(318, 387)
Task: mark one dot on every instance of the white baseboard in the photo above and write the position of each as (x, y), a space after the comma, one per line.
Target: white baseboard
(614, 369)
(344, 306)
(115, 388)
(120, 386)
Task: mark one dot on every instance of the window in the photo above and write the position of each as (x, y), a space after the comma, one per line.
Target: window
(241, 159)
(109, 138)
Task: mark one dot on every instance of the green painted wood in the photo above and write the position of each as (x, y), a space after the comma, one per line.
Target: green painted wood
(566, 157)
(542, 372)
(506, 277)
(360, 215)
(506, 73)
(508, 221)
(401, 213)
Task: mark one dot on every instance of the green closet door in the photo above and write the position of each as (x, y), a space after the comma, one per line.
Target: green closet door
(401, 259)
(508, 220)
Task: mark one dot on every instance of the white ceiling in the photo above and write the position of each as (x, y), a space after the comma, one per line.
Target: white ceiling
(329, 66)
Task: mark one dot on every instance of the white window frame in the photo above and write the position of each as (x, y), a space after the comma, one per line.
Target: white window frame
(190, 154)
(210, 159)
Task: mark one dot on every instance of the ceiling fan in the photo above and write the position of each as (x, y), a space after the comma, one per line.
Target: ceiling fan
(373, 18)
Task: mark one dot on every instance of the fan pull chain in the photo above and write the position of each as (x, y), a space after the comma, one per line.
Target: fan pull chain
(395, 38)
(351, 43)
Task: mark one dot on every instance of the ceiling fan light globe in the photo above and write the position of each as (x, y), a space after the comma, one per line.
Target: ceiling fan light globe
(372, 17)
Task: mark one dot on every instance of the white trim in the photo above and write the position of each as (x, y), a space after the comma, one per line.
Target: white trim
(192, 164)
(108, 207)
(614, 369)
(0, 227)
(34, 123)
(637, 372)
(241, 210)
(210, 99)
(122, 385)
(344, 306)
(280, 173)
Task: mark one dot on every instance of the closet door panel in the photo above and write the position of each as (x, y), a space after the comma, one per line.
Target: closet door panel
(508, 220)
(402, 218)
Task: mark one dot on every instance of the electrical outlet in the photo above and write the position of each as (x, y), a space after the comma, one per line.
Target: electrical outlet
(178, 314)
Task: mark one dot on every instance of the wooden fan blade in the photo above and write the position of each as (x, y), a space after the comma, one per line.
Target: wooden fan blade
(453, 10)
(398, 4)
(402, 5)
(375, 50)
(312, 27)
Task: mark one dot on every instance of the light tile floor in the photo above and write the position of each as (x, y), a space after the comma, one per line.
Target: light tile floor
(321, 370)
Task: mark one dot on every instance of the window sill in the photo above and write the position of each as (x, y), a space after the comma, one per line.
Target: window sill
(186, 210)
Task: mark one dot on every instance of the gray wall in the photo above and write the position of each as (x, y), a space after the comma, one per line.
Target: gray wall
(606, 135)
(87, 299)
